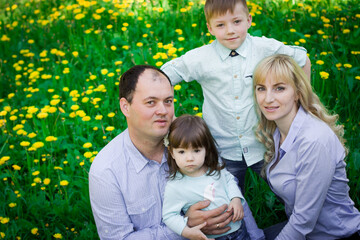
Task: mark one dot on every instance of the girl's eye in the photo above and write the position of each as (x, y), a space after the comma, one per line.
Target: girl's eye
(280, 88)
(181, 152)
(197, 150)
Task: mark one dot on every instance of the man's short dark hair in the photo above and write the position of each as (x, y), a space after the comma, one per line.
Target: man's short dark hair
(130, 78)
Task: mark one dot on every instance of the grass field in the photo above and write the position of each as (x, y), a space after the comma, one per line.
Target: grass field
(60, 62)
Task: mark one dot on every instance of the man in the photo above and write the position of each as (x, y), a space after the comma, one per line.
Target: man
(128, 176)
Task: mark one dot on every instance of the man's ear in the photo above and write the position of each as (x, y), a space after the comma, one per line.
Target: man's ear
(124, 106)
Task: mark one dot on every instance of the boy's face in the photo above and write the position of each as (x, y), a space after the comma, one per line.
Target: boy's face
(230, 29)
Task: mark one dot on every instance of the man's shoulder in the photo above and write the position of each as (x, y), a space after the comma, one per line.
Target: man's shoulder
(113, 153)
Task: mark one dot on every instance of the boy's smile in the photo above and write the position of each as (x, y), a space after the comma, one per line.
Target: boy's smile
(230, 29)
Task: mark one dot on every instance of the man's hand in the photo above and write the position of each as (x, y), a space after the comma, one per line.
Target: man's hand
(216, 219)
(194, 233)
(237, 208)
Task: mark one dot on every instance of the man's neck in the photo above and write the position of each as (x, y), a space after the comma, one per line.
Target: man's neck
(152, 149)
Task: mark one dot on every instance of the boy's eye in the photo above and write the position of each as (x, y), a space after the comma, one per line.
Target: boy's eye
(169, 101)
(237, 21)
(220, 25)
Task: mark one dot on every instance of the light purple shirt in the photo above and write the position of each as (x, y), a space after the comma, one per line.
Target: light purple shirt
(126, 193)
(311, 179)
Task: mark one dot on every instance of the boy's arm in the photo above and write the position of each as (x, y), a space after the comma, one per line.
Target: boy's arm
(307, 67)
(181, 68)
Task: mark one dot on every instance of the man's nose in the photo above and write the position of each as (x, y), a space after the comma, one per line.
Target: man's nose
(161, 109)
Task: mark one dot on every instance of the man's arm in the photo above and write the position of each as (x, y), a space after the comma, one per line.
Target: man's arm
(216, 219)
(111, 216)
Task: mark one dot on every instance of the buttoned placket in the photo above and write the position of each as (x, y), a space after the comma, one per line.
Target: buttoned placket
(237, 72)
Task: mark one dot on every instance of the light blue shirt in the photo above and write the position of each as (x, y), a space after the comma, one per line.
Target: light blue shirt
(126, 193)
(184, 191)
(311, 179)
(226, 82)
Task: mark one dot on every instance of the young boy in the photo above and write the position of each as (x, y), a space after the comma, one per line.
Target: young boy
(224, 70)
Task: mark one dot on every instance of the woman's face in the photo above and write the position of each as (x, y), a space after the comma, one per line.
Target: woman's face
(277, 100)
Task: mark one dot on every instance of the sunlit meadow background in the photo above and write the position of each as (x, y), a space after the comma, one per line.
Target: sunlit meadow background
(60, 62)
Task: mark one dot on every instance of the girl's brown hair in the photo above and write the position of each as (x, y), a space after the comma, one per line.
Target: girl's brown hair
(191, 131)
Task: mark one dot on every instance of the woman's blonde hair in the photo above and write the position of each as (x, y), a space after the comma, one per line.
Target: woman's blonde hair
(284, 67)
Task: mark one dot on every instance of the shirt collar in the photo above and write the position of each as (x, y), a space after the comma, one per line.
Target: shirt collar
(224, 52)
(294, 129)
(137, 159)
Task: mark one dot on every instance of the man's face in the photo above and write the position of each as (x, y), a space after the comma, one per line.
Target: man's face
(151, 111)
(231, 29)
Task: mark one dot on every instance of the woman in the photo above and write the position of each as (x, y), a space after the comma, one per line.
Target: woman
(304, 159)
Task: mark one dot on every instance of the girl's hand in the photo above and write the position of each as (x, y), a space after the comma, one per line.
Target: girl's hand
(194, 233)
(238, 210)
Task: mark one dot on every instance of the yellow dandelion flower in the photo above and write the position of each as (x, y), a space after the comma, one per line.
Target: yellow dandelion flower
(47, 181)
(37, 180)
(50, 139)
(104, 71)
(109, 128)
(139, 44)
(110, 115)
(58, 235)
(87, 145)
(319, 62)
(16, 167)
(88, 154)
(64, 183)
(324, 75)
(113, 48)
(12, 205)
(5, 220)
(347, 65)
(42, 115)
(24, 143)
(98, 117)
(36, 173)
(177, 87)
(38, 145)
(34, 231)
(86, 119)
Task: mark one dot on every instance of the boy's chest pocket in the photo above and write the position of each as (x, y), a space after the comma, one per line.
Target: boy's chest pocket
(143, 212)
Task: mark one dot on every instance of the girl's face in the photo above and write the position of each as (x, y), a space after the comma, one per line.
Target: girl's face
(277, 100)
(190, 160)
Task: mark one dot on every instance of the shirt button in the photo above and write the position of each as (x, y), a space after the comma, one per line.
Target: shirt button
(240, 136)
(235, 76)
(236, 97)
(237, 117)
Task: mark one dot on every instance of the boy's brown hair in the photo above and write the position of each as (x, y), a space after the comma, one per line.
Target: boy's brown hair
(220, 7)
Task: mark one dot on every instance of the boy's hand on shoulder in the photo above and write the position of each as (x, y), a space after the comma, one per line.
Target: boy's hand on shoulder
(237, 208)
(194, 233)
